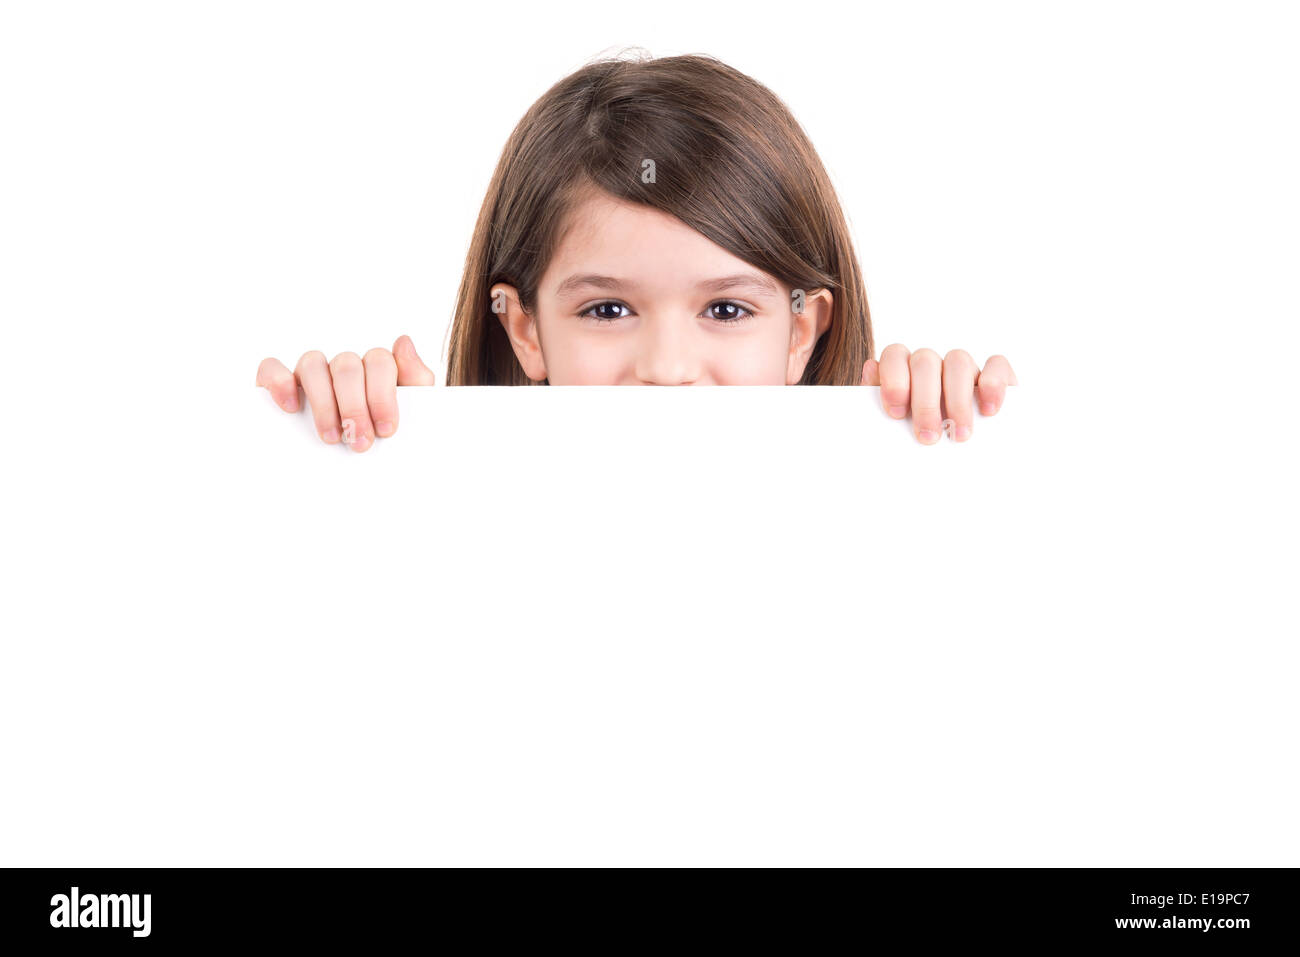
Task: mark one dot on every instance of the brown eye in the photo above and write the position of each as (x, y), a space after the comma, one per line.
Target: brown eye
(605, 311)
(729, 312)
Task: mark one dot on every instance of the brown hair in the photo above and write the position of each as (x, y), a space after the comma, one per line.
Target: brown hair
(730, 161)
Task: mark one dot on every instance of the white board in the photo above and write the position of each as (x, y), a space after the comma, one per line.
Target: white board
(613, 625)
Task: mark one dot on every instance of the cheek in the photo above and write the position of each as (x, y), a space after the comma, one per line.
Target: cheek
(757, 358)
(598, 366)
(576, 356)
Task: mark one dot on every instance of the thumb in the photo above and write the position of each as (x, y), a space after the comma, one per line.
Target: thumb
(410, 369)
(871, 372)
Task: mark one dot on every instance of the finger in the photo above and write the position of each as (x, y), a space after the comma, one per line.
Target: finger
(381, 390)
(349, 377)
(279, 381)
(411, 370)
(314, 374)
(992, 384)
(895, 380)
(959, 374)
(871, 372)
(926, 368)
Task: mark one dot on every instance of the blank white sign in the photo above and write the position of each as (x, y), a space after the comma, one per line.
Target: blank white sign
(586, 625)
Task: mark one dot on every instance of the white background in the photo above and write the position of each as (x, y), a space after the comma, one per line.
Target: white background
(507, 636)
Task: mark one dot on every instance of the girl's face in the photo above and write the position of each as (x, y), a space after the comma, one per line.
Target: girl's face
(634, 296)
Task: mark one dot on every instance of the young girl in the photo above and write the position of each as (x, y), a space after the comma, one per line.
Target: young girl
(654, 222)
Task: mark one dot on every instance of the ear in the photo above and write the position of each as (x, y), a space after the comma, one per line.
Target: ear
(521, 327)
(806, 328)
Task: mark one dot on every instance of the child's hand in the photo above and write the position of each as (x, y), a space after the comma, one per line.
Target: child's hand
(932, 386)
(352, 399)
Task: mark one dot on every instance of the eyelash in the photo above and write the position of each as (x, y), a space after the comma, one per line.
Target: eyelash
(745, 313)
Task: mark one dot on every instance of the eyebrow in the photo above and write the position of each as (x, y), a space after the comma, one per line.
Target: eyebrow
(746, 280)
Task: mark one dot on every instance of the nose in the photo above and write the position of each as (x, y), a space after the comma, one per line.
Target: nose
(665, 354)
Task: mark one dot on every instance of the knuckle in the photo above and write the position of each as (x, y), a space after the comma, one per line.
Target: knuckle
(360, 418)
(957, 383)
(345, 361)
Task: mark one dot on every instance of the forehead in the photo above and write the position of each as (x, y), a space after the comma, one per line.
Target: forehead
(610, 236)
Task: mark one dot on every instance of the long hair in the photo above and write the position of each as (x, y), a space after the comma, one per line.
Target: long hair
(730, 161)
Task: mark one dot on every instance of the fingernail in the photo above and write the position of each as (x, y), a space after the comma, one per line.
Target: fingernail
(963, 433)
(331, 435)
(384, 428)
(928, 436)
(898, 411)
(987, 408)
(291, 404)
(361, 443)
